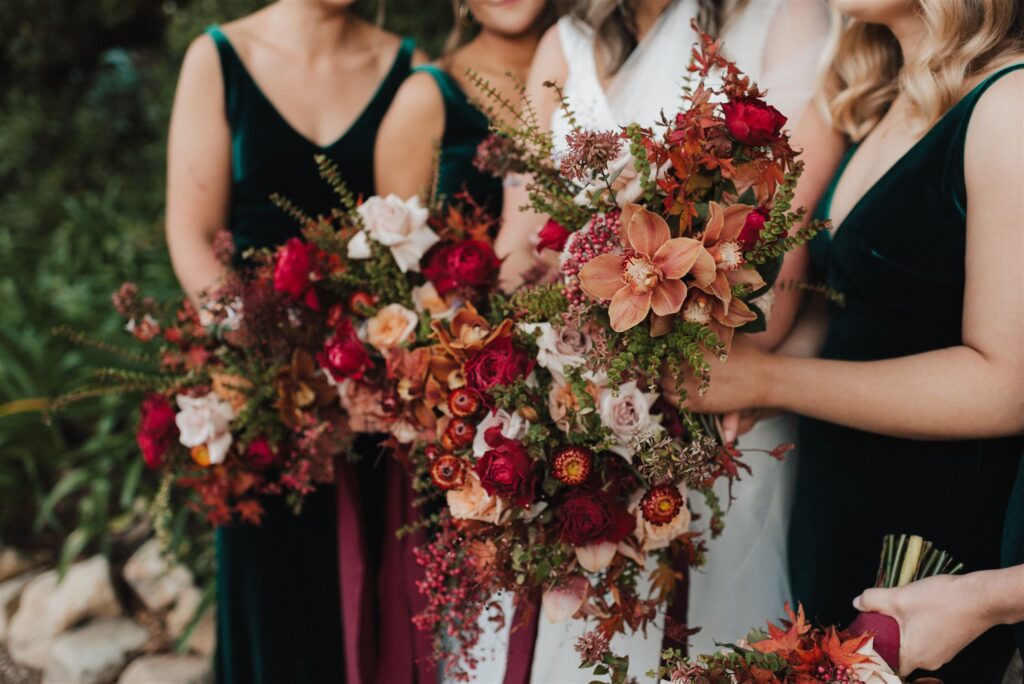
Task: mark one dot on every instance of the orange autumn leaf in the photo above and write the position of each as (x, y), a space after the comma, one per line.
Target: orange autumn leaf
(843, 652)
(782, 640)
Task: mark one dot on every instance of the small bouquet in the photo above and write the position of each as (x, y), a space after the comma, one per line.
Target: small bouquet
(258, 392)
(866, 652)
(793, 652)
(905, 559)
(236, 408)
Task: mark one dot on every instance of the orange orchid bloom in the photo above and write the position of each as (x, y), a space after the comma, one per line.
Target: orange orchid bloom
(707, 310)
(720, 240)
(649, 275)
(467, 333)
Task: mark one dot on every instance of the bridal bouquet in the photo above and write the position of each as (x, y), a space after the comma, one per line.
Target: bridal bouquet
(564, 474)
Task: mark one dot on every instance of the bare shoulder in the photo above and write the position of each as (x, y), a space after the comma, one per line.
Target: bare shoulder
(997, 123)
(419, 97)
(549, 61)
(201, 64)
(245, 29)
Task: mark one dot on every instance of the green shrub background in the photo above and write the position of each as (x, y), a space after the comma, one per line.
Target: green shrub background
(85, 95)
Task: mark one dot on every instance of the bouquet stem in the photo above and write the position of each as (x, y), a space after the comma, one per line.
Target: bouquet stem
(904, 559)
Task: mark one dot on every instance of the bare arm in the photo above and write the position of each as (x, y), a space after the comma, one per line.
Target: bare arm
(408, 138)
(198, 170)
(973, 390)
(515, 240)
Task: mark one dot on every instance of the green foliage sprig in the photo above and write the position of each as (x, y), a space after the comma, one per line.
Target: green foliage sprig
(777, 236)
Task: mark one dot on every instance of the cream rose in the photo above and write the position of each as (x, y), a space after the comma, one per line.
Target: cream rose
(399, 225)
(472, 502)
(391, 326)
(513, 426)
(205, 421)
(653, 537)
(628, 415)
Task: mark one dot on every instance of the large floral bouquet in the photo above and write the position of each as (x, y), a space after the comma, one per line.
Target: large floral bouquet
(669, 236)
(564, 474)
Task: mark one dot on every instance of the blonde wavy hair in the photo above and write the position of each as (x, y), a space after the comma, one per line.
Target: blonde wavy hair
(867, 70)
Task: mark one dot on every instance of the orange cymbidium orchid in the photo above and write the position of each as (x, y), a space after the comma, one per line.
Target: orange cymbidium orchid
(720, 239)
(467, 333)
(648, 275)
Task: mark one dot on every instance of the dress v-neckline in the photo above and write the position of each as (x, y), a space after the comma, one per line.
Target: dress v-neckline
(871, 189)
(880, 181)
(363, 113)
(596, 71)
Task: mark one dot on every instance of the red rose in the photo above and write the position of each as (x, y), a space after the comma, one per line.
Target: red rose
(752, 121)
(506, 470)
(293, 271)
(552, 236)
(469, 263)
(261, 455)
(499, 363)
(343, 355)
(751, 230)
(587, 516)
(157, 431)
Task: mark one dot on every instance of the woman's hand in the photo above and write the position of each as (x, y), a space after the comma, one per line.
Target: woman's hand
(939, 616)
(740, 383)
(738, 423)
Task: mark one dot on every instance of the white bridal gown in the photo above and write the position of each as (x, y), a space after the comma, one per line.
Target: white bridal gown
(778, 44)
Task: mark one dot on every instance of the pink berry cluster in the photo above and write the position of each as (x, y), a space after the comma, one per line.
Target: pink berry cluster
(837, 674)
(454, 604)
(598, 237)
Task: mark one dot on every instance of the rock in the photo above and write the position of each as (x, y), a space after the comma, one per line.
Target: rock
(10, 592)
(204, 637)
(168, 669)
(48, 607)
(13, 562)
(95, 653)
(157, 582)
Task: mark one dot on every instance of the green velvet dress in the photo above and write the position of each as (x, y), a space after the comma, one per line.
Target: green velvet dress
(279, 618)
(898, 259)
(465, 127)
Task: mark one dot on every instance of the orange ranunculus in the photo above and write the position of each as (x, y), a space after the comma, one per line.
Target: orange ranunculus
(649, 275)
(720, 239)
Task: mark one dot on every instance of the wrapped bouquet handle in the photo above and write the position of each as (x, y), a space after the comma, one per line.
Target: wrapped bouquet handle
(905, 559)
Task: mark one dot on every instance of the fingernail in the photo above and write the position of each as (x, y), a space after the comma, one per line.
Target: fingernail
(856, 603)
